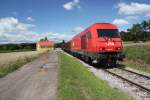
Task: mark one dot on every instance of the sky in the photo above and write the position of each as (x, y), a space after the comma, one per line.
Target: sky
(31, 20)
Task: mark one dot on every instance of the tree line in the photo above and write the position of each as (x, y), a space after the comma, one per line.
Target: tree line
(17, 47)
(138, 32)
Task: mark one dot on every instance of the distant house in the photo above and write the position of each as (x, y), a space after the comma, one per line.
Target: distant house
(44, 45)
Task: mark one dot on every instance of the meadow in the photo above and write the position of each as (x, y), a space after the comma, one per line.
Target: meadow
(10, 62)
(138, 56)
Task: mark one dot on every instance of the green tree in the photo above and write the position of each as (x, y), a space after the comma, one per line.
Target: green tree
(138, 32)
(44, 39)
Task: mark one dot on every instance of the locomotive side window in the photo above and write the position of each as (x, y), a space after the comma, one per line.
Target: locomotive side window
(88, 34)
(83, 42)
(110, 33)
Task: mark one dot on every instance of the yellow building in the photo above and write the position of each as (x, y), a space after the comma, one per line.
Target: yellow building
(44, 45)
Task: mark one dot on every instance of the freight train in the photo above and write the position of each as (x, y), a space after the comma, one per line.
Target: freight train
(100, 43)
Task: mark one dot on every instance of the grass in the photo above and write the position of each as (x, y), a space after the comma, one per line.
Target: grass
(136, 66)
(138, 57)
(6, 58)
(77, 83)
(138, 53)
(127, 42)
(10, 62)
(14, 65)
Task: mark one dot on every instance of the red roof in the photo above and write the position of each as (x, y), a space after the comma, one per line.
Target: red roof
(45, 43)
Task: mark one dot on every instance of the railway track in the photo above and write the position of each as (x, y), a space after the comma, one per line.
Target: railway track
(139, 80)
(142, 75)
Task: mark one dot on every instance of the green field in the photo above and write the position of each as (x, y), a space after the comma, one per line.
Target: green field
(77, 83)
(138, 53)
(138, 57)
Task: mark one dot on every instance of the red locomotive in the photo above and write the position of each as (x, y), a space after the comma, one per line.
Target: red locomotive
(100, 43)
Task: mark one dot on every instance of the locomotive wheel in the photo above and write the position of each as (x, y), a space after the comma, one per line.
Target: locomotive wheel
(114, 63)
(102, 63)
(89, 61)
(111, 63)
(107, 64)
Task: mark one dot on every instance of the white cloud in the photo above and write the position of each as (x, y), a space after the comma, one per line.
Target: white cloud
(14, 31)
(133, 8)
(132, 18)
(77, 30)
(71, 5)
(30, 19)
(120, 22)
(148, 15)
(11, 24)
(56, 36)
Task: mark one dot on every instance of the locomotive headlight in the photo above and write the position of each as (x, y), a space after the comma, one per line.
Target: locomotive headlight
(110, 43)
(118, 48)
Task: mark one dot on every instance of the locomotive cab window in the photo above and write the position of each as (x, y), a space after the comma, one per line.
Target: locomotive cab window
(110, 33)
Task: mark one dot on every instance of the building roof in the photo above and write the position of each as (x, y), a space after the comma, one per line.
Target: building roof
(45, 43)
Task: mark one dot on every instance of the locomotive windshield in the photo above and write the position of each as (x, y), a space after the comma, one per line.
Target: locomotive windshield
(110, 33)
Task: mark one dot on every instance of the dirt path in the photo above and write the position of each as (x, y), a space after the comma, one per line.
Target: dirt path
(34, 81)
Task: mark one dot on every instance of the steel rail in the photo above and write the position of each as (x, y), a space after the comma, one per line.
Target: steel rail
(131, 82)
(134, 72)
